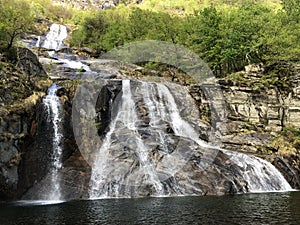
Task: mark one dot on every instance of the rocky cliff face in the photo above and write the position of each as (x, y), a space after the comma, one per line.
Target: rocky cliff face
(262, 103)
(256, 116)
(271, 105)
(22, 88)
(146, 152)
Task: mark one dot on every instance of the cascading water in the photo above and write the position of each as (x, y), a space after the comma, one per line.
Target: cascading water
(163, 113)
(54, 109)
(180, 126)
(103, 171)
(259, 174)
(54, 42)
(54, 39)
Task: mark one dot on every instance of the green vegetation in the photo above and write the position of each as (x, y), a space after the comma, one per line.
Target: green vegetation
(226, 34)
(187, 7)
(14, 20)
(288, 144)
(20, 16)
(46, 10)
(227, 38)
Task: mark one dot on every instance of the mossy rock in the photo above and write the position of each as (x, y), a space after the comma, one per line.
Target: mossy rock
(14, 84)
(23, 81)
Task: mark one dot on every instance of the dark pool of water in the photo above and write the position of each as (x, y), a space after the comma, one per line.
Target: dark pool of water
(268, 208)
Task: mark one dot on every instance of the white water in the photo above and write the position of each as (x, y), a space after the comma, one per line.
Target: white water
(260, 175)
(54, 107)
(129, 115)
(74, 64)
(55, 37)
(54, 41)
(180, 126)
(156, 110)
(38, 202)
(101, 170)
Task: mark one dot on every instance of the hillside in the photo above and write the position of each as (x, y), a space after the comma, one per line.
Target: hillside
(173, 7)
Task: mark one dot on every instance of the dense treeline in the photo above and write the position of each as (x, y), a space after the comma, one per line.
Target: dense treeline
(226, 38)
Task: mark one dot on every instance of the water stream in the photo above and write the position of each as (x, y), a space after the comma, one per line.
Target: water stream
(54, 39)
(54, 111)
(127, 116)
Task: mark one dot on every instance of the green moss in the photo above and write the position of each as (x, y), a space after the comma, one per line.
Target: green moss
(71, 86)
(13, 84)
(19, 91)
(288, 142)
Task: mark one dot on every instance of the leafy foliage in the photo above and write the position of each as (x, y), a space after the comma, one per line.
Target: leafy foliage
(227, 38)
(108, 29)
(14, 20)
(45, 9)
(292, 8)
(18, 17)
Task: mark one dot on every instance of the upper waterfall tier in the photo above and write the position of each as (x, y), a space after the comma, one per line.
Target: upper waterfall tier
(60, 64)
(55, 37)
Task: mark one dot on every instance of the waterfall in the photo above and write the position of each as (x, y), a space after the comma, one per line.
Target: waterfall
(105, 181)
(129, 117)
(139, 151)
(111, 177)
(156, 111)
(55, 37)
(54, 42)
(54, 108)
(180, 126)
(260, 175)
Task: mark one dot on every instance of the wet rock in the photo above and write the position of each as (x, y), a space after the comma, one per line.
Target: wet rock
(23, 86)
(292, 175)
(61, 92)
(73, 178)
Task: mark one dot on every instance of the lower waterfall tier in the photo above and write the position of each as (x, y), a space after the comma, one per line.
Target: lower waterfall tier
(151, 147)
(149, 142)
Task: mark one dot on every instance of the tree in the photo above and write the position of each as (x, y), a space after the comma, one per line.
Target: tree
(202, 35)
(15, 19)
(241, 29)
